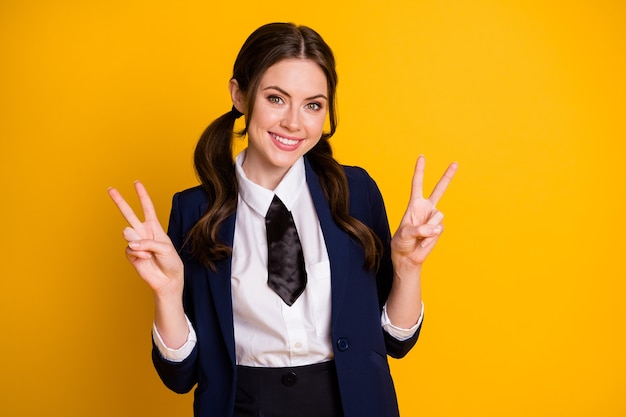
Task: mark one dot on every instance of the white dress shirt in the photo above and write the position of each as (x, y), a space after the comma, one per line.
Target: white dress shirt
(268, 332)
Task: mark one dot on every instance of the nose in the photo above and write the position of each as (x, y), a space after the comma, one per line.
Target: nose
(291, 118)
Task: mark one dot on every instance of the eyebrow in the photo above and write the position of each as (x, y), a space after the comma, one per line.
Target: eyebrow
(275, 87)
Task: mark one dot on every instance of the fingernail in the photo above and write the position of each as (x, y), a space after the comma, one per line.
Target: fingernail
(133, 245)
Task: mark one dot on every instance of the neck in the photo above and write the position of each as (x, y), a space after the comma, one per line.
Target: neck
(266, 178)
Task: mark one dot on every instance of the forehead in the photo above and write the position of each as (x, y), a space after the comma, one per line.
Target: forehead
(295, 76)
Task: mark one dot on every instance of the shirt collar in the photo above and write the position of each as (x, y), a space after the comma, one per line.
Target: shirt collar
(260, 198)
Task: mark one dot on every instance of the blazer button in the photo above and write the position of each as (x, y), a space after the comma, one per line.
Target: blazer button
(342, 344)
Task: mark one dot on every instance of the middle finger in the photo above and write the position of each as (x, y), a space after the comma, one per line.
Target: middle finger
(127, 212)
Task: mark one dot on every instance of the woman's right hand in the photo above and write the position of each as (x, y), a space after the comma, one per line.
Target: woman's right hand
(149, 248)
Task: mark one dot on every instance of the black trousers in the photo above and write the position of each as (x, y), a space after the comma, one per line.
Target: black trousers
(302, 391)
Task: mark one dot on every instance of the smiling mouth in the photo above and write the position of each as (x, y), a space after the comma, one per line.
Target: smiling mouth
(285, 141)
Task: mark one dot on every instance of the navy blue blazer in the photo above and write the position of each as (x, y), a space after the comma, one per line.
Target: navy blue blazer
(360, 345)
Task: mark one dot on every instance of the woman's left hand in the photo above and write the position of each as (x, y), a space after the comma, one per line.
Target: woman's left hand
(421, 224)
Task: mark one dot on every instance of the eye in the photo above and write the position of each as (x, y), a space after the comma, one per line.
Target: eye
(275, 99)
(313, 106)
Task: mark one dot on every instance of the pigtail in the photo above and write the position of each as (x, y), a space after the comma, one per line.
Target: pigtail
(215, 167)
(335, 186)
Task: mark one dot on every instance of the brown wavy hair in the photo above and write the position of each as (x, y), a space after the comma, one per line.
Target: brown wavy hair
(213, 156)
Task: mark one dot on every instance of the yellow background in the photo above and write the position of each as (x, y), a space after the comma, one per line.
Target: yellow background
(525, 311)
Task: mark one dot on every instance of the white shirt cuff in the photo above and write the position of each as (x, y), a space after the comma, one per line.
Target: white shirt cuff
(398, 332)
(175, 355)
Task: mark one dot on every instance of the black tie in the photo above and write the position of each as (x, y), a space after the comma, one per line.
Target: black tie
(285, 261)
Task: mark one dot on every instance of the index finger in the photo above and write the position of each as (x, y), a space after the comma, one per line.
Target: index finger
(146, 203)
(418, 179)
(443, 183)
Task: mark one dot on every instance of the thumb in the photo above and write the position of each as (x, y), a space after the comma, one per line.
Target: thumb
(150, 245)
(130, 234)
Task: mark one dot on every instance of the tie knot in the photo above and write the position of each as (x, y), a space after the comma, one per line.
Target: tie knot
(277, 209)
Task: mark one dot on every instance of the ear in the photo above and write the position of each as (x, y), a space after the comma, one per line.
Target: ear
(237, 96)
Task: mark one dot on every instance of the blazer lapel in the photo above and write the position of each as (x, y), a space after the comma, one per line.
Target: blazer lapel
(337, 241)
(220, 287)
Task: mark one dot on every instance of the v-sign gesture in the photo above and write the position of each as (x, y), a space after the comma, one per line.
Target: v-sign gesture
(153, 255)
(421, 224)
(149, 249)
(416, 236)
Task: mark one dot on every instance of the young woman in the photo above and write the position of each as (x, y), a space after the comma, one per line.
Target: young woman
(317, 343)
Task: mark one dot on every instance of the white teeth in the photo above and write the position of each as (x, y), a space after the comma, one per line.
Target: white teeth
(285, 140)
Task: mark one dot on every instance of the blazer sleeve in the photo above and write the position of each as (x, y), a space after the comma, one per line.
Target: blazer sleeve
(376, 219)
(180, 377)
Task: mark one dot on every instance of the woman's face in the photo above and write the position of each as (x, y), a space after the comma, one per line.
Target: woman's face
(288, 119)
